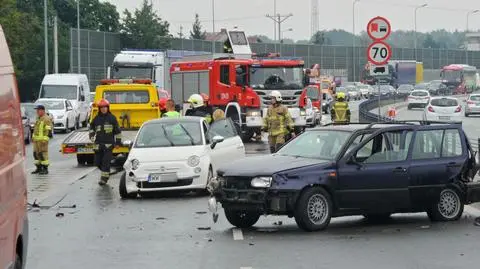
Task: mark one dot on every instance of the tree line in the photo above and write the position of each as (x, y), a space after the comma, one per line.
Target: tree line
(22, 21)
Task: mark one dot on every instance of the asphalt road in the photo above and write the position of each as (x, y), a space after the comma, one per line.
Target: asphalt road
(175, 231)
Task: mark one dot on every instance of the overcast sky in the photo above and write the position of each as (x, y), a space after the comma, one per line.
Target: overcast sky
(249, 15)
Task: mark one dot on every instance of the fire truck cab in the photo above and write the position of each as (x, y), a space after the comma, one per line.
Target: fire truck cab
(241, 85)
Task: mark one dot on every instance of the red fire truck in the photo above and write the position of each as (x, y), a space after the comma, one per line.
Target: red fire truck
(241, 84)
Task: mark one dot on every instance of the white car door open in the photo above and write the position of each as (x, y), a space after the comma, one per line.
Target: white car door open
(230, 148)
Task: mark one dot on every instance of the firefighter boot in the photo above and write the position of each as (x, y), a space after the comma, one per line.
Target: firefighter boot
(43, 170)
(103, 181)
(37, 170)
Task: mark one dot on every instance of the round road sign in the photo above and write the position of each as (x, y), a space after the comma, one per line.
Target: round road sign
(379, 28)
(379, 53)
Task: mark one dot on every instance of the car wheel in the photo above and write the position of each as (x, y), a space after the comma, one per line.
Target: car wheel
(314, 209)
(123, 188)
(448, 208)
(376, 218)
(241, 218)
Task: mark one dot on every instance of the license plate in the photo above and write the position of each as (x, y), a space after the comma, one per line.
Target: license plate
(85, 150)
(443, 118)
(162, 178)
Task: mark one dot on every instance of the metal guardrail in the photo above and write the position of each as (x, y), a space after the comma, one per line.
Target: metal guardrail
(365, 114)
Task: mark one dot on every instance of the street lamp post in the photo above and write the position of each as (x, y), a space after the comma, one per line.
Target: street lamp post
(415, 31)
(45, 26)
(213, 26)
(466, 32)
(284, 31)
(78, 38)
(353, 51)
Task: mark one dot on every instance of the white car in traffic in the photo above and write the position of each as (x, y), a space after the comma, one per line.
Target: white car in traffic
(445, 109)
(418, 98)
(62, 112)
(472, 105)
(178, 154)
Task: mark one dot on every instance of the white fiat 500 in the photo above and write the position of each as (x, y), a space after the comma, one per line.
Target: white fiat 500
(178, 154)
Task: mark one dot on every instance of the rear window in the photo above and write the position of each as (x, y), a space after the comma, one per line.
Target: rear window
(475, 98)
(127, 97)
(444, 102)
(419, 93)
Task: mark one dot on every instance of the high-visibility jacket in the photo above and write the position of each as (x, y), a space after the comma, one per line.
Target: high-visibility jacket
(171, 114)
(340, 112)
(278, 121)
(43, 127)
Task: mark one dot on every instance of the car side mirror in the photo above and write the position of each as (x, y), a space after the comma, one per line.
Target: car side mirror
(215, 140)
(127, 143)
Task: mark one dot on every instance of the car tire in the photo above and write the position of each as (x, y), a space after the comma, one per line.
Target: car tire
(123, 188)
(241, 218)
(448, 208)
(310, 202)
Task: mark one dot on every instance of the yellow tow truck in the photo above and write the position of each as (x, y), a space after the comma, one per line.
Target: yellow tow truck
(132, 102)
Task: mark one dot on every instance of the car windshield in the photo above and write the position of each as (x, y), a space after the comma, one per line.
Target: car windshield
(127, 97)
(444, 102)
(475, 98)
(419, 93)
(421, 86)
(405, 88)
(68, 92)
(132, 72)
(53, 105)
(276, 77)
(316, 144)
(169, 134)
(451, 75)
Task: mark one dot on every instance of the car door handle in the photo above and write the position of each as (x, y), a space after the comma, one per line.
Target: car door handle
(399, 170)
(453, 164)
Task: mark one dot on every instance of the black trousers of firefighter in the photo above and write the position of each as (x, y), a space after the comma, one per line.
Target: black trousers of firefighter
(103, 159)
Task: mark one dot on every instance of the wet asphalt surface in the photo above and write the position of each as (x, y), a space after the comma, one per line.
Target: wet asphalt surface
(84, 225)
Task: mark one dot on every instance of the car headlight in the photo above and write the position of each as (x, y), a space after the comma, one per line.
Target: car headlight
(254, 113)
(193, 160)
(135, 164)
(261, 182)
(303, 113)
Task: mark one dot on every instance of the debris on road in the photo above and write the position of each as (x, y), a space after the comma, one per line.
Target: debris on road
(201, 212)
(69, 206)
(59, 215)
(204, 228)
(160, 218)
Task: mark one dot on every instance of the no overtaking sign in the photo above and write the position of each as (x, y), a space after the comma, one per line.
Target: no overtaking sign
(379, 52)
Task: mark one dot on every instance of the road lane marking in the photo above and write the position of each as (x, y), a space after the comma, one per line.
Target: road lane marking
(246, 267)
(237, 234)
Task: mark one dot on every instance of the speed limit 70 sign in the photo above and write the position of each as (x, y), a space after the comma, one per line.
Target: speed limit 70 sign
(379, 53)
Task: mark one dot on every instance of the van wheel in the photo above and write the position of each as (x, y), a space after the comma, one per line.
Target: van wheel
(449, 206)
(18, 262)
(123, 188)
(314, 209)
(241, 218)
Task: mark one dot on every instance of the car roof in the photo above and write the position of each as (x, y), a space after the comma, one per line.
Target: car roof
(179, 120)
(50, 99)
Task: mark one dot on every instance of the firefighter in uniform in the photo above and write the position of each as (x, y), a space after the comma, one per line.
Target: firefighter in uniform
(105, 132)
(340, 110)
(42, 132)
(198, 108)
(278, 122)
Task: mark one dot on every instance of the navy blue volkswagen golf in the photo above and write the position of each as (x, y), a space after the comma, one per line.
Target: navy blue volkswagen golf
(372, 170)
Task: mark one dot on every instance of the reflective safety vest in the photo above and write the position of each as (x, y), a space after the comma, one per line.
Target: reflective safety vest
(278, 121)
(171, 114)
(42, 127)
(341, 112)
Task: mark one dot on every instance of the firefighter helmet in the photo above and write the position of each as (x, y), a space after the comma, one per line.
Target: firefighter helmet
(341, 95)
(103, 103)
(277, 95)
(196, 100)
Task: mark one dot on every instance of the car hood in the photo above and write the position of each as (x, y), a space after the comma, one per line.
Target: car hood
(265, 165)
(165, 154)
(57, 112)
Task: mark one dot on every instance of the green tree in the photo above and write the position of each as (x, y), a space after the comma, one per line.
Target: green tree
(319, 38)
(429, 42)
(144, 28)
(197, 32)
(24, 34)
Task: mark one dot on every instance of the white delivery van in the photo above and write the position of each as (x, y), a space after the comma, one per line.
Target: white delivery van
(73, 87)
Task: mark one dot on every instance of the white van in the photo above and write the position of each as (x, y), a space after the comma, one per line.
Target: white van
(73, 87)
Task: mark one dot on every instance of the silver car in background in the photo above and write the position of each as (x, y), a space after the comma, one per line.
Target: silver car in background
(472, 105)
